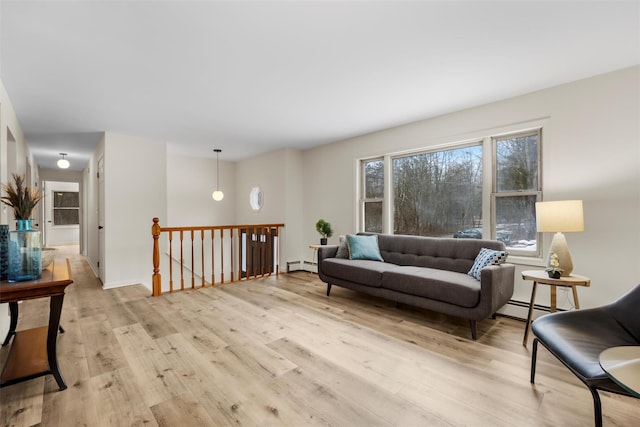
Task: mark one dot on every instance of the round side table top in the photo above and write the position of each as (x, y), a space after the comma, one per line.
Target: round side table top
(543, 277)
(622, 364)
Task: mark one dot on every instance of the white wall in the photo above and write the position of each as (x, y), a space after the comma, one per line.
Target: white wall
(591, 151)
(190, 182)
(278, 174)
(90, 204)
(135, 192)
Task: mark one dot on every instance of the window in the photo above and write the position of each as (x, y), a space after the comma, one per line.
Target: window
(516, 189)
(373, 191)
(66, 208)
(438, 193)
(446, 192)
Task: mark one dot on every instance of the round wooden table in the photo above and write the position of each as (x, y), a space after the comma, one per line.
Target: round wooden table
(542, 277)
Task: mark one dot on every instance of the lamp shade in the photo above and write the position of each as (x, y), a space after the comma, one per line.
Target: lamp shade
(63, 163)
(559, 216)
(217, 195)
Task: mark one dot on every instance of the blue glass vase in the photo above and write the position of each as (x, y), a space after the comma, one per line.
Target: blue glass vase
(4, 251)
(25, 253)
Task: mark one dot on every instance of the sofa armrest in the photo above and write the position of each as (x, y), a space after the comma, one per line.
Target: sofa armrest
(324, 252)
(327, 251)
(496, 286)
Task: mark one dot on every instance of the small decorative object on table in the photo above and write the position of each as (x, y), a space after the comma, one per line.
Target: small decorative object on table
(554, 269)
(325, 230)
(48, 255)
(25, 255)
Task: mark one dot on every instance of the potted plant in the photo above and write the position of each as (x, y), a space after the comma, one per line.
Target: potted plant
(20, 198)
(554, 271)
(325, 230)
(24, 246)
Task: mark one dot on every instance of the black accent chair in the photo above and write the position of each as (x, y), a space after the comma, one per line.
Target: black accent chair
(578, 337)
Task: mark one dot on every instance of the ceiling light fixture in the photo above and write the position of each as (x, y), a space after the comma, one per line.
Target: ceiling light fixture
(63, 163)
(218, 194)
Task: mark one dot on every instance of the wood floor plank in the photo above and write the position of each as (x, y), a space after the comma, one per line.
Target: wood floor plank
(22, 406)
(102, 350)
(120, 401)
(353, 389)
(181, 410)
(151, 370)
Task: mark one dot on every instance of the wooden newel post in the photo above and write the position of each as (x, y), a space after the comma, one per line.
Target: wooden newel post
(156, 278)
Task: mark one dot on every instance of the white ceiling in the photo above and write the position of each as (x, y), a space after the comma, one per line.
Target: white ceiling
(251, 77)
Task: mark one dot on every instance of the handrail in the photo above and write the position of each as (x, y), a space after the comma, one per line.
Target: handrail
(243, 251)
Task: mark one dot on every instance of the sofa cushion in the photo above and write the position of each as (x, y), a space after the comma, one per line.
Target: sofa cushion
(343, 249)
(486, 257)
(364, 247)
(363, 272)
(434, 252)
(440, 285)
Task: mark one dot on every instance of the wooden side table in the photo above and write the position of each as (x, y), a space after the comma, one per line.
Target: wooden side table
(314, 258)
(33, 351)
(541, 277)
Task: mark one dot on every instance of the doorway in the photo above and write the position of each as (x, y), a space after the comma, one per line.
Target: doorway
(61, 213)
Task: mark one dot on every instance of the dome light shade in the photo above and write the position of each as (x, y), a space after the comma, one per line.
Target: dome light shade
(63, 163)
(217, 195)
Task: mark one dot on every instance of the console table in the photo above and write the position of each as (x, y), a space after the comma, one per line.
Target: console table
(33, 351)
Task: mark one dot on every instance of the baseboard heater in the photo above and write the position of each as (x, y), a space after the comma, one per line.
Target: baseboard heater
(519, 309)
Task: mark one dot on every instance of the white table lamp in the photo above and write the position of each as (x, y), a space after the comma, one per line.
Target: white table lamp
(560, 216)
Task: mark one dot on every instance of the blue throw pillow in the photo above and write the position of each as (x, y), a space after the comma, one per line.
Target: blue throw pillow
(364, 247)
(486, 257)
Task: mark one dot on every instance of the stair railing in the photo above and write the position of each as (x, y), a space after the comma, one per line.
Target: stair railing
(214, 254)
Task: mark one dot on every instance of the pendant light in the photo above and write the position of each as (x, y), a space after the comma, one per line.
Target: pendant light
(63, 163)
(218, 194)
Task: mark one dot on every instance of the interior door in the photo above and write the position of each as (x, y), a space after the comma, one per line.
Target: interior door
(101, 242)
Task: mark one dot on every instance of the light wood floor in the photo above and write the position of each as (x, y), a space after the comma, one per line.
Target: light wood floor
(278, 352)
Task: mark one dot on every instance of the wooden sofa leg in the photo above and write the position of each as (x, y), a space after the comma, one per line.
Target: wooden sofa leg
(474, 334)
(328, 288)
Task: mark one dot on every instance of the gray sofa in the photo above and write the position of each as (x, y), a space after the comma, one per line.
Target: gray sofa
(425, 272)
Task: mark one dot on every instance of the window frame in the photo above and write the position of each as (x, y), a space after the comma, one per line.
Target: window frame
(487, 140)
(363, 192)
(476, 142)
(55, 208)
(495, 194)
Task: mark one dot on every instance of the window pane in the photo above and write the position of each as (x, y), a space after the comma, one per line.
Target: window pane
(373, 217)
(517, 159)
(374, 179)
(66, 199)
(516, 222)
(66, 216)
(438, 193)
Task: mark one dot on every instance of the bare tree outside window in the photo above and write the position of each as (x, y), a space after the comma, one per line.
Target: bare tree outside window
(373, 183)
(438, 193)
(517, 188)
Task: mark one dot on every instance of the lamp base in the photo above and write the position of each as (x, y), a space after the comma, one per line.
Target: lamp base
(559, 247)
